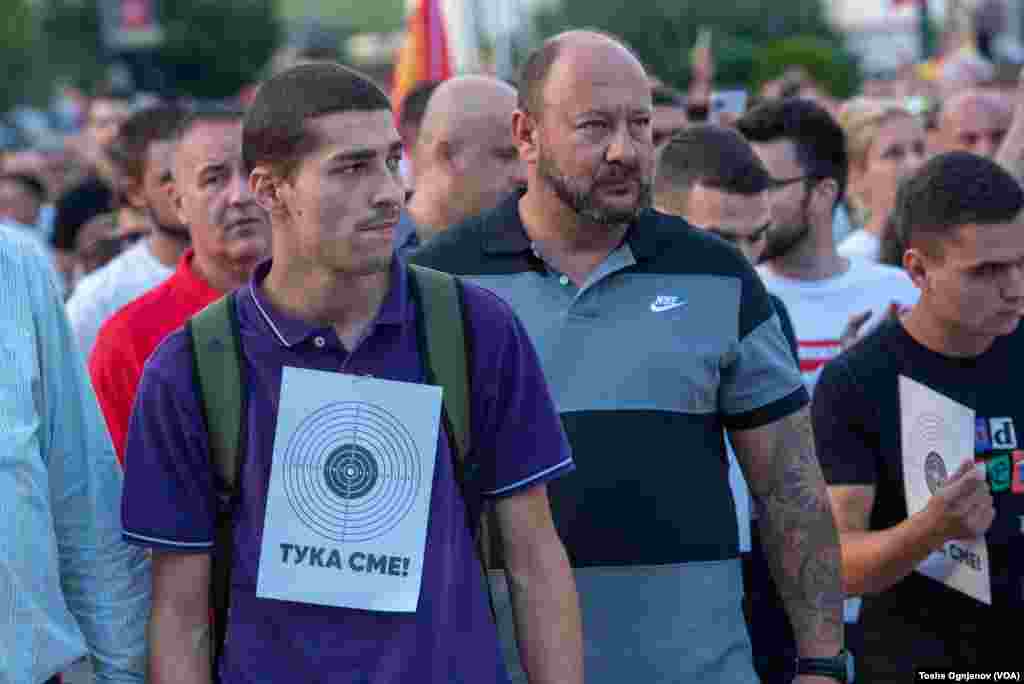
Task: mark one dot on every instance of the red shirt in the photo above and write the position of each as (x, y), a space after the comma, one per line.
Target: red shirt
(128, 337)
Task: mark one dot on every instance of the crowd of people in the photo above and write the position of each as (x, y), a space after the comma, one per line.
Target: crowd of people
(669, 445)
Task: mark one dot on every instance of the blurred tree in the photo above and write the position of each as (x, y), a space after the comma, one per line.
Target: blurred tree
(818, 58)
(214, 47)
(663, 31)
(70, 48)
(18, 33)
(211, 49)
(361, 16)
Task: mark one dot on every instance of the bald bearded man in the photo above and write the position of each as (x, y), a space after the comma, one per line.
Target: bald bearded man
(466, 159)
(975, 121)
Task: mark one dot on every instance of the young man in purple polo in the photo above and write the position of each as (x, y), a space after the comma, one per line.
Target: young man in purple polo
(323, 153)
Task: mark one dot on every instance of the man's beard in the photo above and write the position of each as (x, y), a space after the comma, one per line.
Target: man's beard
(581, 197)
(781, 240)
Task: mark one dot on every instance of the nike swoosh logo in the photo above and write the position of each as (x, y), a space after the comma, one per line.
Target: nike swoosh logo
(658, 308)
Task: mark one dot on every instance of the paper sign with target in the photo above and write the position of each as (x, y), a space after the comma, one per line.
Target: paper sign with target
(349, 494)
(937, 436)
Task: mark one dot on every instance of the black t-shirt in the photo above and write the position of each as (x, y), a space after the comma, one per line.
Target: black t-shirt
(857, 429)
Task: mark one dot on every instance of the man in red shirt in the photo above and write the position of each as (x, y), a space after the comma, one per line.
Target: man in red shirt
(230, 235)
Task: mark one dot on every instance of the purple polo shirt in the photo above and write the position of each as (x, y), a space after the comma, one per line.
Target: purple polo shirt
(169, 501)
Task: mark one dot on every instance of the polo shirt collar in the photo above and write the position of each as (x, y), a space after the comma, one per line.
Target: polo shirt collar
(187, 279)
(290, 331)
(504, 232)
(406, 238)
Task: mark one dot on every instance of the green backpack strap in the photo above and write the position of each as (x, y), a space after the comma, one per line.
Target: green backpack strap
(445, 339)
(217, 355)
(447, 351)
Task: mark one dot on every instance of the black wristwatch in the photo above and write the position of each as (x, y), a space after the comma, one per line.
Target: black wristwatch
(839, 668)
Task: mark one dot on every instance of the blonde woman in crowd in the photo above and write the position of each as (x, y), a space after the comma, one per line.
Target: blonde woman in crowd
(885, 143)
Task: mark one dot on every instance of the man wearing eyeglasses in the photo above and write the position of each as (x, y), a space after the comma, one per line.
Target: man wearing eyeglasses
(828, 296)
(710, 176)
(804, 150)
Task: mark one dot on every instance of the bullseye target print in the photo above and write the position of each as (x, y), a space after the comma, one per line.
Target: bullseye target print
(932, 428)
(351, 471)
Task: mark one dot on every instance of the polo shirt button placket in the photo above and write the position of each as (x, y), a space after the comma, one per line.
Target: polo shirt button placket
(563, 279)
(319, 342)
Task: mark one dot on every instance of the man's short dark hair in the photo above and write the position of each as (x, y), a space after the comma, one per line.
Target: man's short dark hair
(275, 131)
(30, 183)
(714, 156)
(818, 139)
(537, 67)
(153, 124)
(414, 104)
(78, 206)
(952, 190)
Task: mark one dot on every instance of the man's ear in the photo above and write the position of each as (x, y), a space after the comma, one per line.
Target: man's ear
(267, 188)
(524, 133)
(915, 263)
(133, 193)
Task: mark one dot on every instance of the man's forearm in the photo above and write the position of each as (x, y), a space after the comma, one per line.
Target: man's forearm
(874, 561)
(801, 543)
(179, 649)
(547, 618)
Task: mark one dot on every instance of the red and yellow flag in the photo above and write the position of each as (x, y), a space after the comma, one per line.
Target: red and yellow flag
(424, 55)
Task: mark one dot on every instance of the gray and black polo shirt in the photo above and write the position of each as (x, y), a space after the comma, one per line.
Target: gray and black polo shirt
(672, 339)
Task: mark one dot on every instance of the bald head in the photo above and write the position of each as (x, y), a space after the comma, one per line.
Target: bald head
(465, 106)
(975, 121)
(465, 159)
(568, 47)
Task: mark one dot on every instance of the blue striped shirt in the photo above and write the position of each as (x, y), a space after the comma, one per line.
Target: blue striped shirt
(68, 584)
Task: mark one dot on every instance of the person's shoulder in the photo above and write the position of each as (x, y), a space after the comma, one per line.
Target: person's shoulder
(483, 307)
(123, 324)
(460, 248)
(867, 271)
(874, 357)
(893, 282)
(99, 284)
(21, 253)
(673, 245)
(172, 358)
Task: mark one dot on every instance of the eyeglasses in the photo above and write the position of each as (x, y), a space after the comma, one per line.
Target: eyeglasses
(736, 239)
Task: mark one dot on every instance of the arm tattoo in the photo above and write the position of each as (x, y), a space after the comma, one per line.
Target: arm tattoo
(800, 536)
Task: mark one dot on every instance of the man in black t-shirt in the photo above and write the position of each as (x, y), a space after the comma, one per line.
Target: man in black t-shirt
(960, 218)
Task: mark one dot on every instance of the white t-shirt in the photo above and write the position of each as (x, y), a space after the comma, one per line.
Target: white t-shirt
(861, 245)
(821, 309)
(100, 294)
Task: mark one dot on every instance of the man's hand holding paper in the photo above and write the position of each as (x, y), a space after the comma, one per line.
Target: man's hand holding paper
(962, 509)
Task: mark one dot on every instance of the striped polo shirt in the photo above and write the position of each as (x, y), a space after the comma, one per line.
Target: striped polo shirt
(671, 339)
